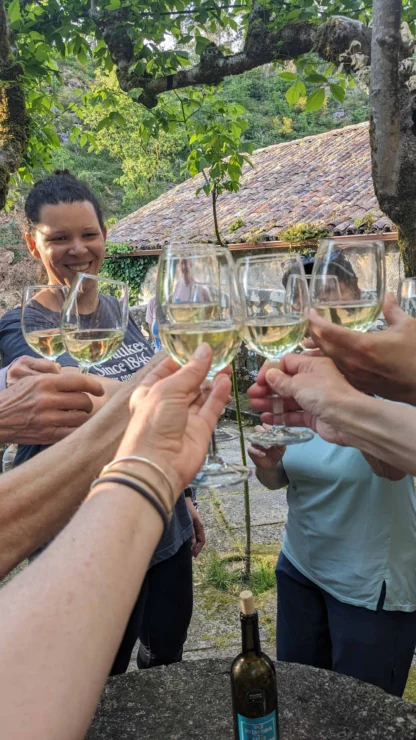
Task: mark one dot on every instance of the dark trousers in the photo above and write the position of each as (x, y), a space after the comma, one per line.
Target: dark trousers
(161, 615)
(314, 628)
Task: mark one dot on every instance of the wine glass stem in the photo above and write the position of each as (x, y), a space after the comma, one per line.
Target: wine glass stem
(83, 369)
(212, 455)
(213, 444)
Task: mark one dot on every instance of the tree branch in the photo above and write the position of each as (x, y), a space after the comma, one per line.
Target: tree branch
(262, 45)
(13, 119)
(191, 11)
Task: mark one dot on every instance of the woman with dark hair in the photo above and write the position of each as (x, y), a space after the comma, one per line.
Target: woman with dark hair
(346, 575)
(65, 231)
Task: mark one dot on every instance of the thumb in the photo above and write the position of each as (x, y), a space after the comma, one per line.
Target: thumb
(279, 382)
(189, 378)
(392, 311)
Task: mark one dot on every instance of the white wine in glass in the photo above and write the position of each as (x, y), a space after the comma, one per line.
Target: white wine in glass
(276, 303)
(94, 319)
(348, 282)
(181, 341)
(41, 319)
(198, 301)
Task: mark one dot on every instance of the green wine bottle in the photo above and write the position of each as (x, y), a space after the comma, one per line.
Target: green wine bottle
(253, 682)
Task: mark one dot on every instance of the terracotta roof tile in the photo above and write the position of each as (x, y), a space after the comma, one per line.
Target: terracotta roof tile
(325, 178)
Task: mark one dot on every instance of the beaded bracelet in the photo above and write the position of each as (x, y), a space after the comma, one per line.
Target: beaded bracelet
(139, 489)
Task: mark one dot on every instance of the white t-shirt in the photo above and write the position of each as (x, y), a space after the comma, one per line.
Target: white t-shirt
(190, 292)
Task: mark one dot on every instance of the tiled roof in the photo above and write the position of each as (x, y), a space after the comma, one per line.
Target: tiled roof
(324, 178)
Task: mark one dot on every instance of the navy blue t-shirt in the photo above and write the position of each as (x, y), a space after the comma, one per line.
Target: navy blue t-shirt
(132, 355)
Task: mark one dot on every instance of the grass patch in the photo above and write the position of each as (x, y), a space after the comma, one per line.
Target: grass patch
(410, 690)
(227, 574)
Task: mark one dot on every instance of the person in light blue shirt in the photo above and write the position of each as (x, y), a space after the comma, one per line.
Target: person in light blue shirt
(346, 576)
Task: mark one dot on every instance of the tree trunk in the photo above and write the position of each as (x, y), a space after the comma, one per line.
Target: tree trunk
(13, 119)
(407, 245)
(215, 214)
(393, 126)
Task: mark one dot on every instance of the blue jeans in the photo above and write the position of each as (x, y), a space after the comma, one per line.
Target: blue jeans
(314, 628)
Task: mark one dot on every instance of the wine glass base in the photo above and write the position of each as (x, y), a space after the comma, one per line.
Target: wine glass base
(223, 435)
(281, 437)
(218, 475)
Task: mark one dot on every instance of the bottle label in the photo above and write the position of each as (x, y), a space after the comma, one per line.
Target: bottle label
(263, 728)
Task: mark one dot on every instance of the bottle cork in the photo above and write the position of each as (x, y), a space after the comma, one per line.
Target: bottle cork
(247, 602)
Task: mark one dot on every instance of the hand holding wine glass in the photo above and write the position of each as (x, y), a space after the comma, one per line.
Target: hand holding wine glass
(94, 319)
(198, 301)
(276, 303)
(41, 319)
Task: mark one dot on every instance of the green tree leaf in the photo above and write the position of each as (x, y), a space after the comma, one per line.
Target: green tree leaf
(288, 76)
(14, 12)
(338, 92)
(316, 78)
(294, 92)
(316, 100)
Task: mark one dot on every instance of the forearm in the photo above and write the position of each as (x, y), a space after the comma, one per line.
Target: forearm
(274, 478)
(383, 469)
(59, 630)
(382, 429)
(38, 498)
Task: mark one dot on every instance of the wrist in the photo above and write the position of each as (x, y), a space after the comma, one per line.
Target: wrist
(156, 457)
(127, 505)
(350, 413)
(268, 476)
(147, 473)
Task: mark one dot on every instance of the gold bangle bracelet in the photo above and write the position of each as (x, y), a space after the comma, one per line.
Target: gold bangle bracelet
(120, 469)
(146, 461)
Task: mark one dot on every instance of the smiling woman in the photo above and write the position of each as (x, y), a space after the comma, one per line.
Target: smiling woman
(65, 228)
(65, 231)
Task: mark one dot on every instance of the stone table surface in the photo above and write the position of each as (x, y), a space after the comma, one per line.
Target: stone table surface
(191, 701)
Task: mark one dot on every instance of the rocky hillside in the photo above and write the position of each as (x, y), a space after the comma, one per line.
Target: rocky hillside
(17, 268)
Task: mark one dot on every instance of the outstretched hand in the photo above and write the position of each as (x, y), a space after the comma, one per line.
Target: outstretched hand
(311, 388)
(171, 420)
(383, 363)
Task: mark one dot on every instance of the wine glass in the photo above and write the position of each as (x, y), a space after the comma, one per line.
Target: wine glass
(348, 282)
(94, 319)
(276, 305)
(198, 300)
(41, 319)
(406, 296)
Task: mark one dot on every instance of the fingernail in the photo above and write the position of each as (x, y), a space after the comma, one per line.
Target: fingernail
(203, 352)
(272, 376)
